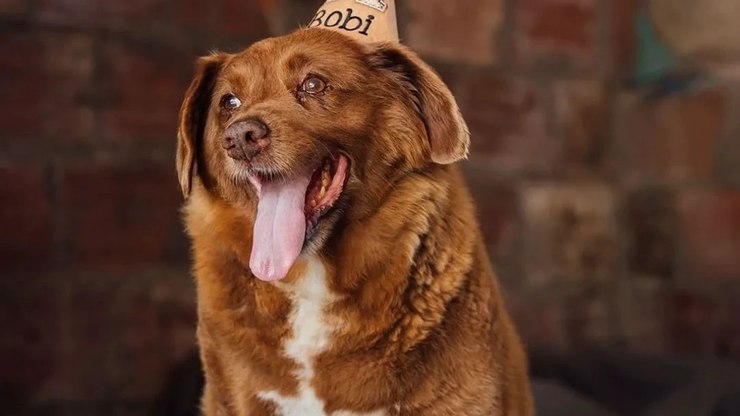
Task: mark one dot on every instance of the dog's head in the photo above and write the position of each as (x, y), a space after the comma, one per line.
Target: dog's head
(311, 128)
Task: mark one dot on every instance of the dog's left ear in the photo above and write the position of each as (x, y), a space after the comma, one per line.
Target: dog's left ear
(193, 115)
(448, 134)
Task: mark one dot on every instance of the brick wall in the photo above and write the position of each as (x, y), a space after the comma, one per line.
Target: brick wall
(613, 220)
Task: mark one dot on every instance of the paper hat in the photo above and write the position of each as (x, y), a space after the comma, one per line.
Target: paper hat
(363, 20)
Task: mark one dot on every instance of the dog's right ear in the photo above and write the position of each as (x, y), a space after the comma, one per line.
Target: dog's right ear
(193, 115)
(447, 132)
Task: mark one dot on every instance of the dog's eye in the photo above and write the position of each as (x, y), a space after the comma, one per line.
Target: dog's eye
(230, 102)
(313, 85)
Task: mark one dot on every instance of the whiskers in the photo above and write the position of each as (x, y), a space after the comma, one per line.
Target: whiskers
(248, 174)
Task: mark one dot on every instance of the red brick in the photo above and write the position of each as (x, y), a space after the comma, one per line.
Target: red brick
(508, 123)
(71, 63)
(125, 330)
(642, 311)
(20, 109)
(292, 13)
(31, 313)
(154, 329)
(143, 91)
(195, 14)
(728, 339)
(13, 7)
(650, 216)
(243, 21)
(51, 73)
(552, 34)
(710, 223)
(588, 319)
(582, 114)
(101, 13)
(692, 323)
(569, 234)
(576, 318)
(729, 147)
(463, 31)
(497, 213)
(623, 35)
(83, 371)
(25, 218)
(542, 328)
(671, 139)
(246, 20)
(122, 215)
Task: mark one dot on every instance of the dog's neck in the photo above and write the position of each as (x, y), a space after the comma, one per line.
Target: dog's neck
(409, 259)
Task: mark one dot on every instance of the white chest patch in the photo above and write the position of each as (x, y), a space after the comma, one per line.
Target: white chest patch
(311, 332)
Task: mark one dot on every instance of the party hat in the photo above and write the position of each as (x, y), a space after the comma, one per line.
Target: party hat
(363, 20)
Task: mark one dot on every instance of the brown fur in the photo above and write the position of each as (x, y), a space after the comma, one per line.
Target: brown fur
(422, 328)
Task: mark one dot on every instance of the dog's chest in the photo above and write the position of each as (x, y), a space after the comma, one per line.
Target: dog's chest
(311, 333)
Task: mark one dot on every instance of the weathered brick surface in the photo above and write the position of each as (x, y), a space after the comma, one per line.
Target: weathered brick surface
(623, 39)
(650, 219)
(31, 314)
(465, 31)
(123, 331)
(589, 319)
(672, 139)
(710, 223)
(13, 7)
(240, 21)
(612, 219)
(728, 149)
(508, 123)
(143, 89)
(556, 34)
(581, 112)
(82, 373)
(122, 215)
(195, 15)
(155, 328)
(727, 344)
(570, 234)
(25, 218)
(51, 75)
(642, 314)
(101, 13)
(692, 323)
(497, 213)
(543, 327)
(245, 20)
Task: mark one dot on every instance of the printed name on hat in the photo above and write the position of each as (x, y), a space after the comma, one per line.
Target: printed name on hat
(346, 21)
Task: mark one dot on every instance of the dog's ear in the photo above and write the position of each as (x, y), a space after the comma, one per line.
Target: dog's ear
(193, 115)
(448, 134)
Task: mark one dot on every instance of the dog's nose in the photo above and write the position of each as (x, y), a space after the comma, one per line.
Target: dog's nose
(244, 139)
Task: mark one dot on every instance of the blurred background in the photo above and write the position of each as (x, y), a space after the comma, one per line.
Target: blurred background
(605, 164)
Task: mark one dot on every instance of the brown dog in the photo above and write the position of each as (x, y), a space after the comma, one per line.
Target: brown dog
(339, 265)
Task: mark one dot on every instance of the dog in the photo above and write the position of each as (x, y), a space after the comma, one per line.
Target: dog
(338, 261)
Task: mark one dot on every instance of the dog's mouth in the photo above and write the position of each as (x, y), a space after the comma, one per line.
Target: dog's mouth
(325, 188)
(288, 213)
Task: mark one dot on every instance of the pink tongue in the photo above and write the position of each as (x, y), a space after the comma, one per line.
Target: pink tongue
(280, 228)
